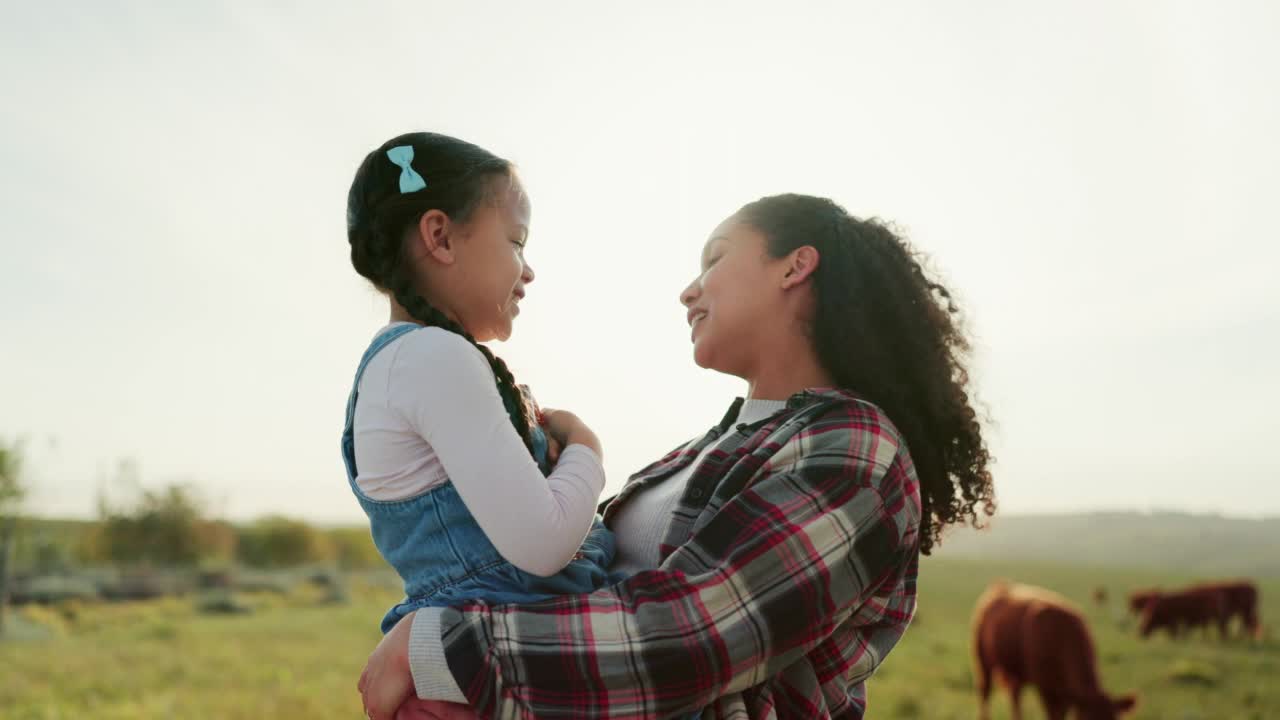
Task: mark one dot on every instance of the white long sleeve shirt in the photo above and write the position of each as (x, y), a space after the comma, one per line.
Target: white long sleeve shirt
(429, 412)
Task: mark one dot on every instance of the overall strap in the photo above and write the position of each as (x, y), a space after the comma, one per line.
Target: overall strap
(382, 340)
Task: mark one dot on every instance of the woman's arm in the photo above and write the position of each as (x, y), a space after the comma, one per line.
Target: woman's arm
(449, 397)
(782, 564)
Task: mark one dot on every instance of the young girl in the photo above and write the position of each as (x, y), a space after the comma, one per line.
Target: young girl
(439, 443)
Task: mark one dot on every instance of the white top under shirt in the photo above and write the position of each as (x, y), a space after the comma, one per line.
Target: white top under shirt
(642, 523)
(429, 412)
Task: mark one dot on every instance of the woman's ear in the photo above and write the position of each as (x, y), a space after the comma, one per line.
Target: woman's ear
(800, 265)
(436, 237)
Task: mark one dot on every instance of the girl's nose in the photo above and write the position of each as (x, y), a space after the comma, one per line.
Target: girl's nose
(690, 294)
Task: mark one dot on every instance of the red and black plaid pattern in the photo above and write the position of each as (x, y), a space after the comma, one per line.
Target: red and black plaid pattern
(789, 573)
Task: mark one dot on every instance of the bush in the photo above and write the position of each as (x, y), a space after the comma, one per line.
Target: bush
(275, 542)
(164, 528)
(222, 603)
(46, 618)
(354, 549)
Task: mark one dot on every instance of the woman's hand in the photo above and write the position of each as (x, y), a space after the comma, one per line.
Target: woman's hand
(415, 709)
(387, 681)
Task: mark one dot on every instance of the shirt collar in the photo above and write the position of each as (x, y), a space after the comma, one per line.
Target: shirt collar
(804, 398)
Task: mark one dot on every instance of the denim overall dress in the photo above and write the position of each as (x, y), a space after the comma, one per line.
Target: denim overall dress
(438, 548)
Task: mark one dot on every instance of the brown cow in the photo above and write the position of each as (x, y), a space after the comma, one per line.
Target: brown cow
(1100, 596)
(1138, 600)
(1239, 599)
(1030, 636)
(1191, 608)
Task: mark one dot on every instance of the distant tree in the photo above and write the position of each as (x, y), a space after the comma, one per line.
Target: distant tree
(12, 491)
(218, 542)
(354, 549)
(165, 527)
(49, 556)
(276, 541)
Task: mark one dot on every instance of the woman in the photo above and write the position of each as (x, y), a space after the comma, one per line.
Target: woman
(775, 558)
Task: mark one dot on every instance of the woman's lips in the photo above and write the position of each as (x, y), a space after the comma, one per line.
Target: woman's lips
(695, 318)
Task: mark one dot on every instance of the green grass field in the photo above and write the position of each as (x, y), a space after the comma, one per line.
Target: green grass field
(930, 676)
(295, 657)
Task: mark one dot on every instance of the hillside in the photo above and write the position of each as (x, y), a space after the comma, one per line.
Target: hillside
(1208, 545)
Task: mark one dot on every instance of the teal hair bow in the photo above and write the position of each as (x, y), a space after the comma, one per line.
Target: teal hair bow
(401, 156)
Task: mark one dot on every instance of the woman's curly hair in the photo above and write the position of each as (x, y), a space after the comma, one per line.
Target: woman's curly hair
(889, 332)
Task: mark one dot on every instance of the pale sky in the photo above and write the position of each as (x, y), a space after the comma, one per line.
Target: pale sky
(1096, 181)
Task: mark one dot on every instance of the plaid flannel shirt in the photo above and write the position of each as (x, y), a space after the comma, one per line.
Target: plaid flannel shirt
(788, 574)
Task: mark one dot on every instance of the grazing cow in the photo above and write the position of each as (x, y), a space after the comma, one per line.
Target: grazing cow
(1100, 596)
(1138, 600)
(1029, 636)
(1239, 599)
(1192, 608)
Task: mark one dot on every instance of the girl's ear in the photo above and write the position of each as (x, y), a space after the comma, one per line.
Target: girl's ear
(435, 236)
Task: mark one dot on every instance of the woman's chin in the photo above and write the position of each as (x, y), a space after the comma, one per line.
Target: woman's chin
(702, 355)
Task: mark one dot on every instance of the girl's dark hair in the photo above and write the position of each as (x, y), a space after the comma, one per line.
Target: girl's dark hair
(459, 178)
(886, 330)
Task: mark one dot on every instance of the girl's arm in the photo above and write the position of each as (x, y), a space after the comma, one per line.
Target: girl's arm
(449, 397)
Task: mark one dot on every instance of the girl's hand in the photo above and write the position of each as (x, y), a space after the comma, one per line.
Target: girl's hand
(387, 681)
(568, 429)
(553, 450)
(559, 424)
(416, 709)
(554, 444)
